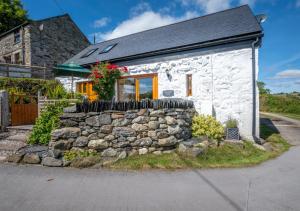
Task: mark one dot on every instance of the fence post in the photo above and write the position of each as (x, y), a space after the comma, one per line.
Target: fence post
(4, 110)
(39, 103)
(44, 71)
(7, 70)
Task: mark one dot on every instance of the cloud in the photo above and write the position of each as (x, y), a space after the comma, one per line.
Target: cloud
(140, 8)
(284, 62)
(292, 74)
(101, 22)
(209, 6)
(250, 2)
(297, 82)
(141, 22)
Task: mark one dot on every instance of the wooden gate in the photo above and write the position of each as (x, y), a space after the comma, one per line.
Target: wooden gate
(24, 110)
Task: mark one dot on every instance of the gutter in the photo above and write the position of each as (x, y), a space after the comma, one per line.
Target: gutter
(253, 44)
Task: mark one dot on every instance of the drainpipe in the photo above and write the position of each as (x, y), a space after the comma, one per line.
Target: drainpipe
(253, 44)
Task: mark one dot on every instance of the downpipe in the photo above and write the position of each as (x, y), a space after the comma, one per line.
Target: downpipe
(253, 44)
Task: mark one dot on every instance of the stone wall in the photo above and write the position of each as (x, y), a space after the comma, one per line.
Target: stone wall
(59, 40)
(8, 47)
(118, 134)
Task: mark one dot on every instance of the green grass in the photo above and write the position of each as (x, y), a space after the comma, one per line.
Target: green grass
(292, 116)
(227, 155)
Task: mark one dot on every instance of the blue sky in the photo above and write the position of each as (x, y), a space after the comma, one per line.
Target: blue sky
(279, 56)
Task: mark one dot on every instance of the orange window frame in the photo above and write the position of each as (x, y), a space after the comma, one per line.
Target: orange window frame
(189, 85)
(88, 86)
(154, 77)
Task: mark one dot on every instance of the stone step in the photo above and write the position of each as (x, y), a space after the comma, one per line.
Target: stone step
(11, 145)
(23, 129)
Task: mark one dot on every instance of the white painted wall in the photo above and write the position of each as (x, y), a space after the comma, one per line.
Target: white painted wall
(222, 83)
(221, 80)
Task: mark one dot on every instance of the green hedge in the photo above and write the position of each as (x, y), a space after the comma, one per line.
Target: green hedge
(286, 103)
(28, 85)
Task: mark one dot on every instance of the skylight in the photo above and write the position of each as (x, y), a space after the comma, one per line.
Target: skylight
(108, 48)
(90, 52)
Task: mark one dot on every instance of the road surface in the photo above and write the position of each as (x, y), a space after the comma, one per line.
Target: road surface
(273, 185)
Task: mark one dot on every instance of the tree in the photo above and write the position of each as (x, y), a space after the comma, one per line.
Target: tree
(12, 14)
(262, 89)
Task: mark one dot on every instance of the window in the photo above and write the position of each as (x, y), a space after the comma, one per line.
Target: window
(138, 87)
(90, 52)
(108, 48)
(18, 58)
(189, 85)
(7, 59)
(17, 37)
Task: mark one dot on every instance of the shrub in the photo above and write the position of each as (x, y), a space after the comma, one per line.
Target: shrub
(104, 76)
(285, 103)
(27, 85)
(74, 154)
(207, 126)
(231, 123)
(49, 120)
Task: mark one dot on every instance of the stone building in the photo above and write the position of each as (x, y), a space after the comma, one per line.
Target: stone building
(212, 60)
(46, 42)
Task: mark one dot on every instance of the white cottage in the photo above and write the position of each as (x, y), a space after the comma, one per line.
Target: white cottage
(212, 60)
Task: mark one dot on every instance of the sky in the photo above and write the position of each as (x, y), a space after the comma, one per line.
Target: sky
(279, 55)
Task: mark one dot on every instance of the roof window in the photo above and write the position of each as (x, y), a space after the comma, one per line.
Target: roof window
(90, 52)
(108, 48)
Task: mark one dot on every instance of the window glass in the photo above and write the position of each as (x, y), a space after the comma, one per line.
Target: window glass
(126, 89)
(189, 85)
(18, 58)
(17, 37)
(84, 87)
(90, 52)
(145, 88)
(108, 48)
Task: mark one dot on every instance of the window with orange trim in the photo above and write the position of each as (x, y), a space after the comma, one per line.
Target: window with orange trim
(189, 85)
(138, 87)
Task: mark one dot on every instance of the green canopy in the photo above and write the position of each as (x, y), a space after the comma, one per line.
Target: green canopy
(71, 69)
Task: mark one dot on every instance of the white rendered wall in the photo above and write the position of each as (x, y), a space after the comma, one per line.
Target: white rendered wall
(222, 83)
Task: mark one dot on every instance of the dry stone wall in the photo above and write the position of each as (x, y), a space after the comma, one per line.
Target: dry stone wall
(118, 134)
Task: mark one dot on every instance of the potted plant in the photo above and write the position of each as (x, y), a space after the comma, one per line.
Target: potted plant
(232, 130)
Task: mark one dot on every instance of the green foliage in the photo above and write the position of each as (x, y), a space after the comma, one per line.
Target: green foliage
(12, 14)
(105, 76)
(27, 85)
(207, 126)
(262, 89)
(285, 103)
(74, 154)
(49, 120)
(231, 123)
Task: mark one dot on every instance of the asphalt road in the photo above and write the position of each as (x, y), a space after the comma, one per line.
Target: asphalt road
(273, 185)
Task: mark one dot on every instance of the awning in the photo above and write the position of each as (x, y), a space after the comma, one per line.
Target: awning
(71, 69)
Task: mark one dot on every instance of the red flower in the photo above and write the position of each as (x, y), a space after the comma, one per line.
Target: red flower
(112, 66)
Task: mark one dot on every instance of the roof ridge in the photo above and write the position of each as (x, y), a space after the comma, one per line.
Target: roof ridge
(203, 16)
(53, 17)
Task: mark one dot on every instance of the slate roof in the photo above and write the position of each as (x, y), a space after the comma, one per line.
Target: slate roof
(236, 22)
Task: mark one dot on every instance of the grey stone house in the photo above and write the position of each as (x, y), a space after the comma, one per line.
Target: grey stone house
(46, 42)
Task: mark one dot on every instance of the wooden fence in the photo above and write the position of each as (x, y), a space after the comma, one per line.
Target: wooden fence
(43, 102)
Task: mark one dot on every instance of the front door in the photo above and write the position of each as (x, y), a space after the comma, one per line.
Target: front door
(138, 87)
